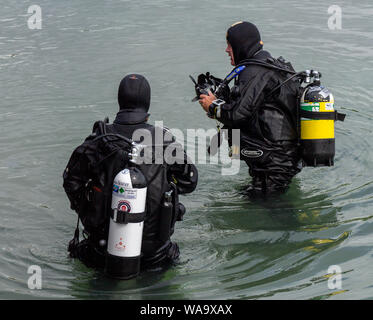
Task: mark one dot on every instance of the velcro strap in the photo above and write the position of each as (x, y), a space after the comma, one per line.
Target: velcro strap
(336, 116)
(124, 217)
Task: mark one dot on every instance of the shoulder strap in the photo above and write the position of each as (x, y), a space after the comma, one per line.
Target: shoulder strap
(269, 63)
(100, 126)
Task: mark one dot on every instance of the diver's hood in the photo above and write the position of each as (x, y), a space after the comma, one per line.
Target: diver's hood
(244, 37)
(134, 98)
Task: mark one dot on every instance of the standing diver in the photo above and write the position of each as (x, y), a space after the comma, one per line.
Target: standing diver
(267, 120)
(89, 176)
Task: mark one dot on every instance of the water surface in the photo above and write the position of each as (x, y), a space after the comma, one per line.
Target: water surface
(58, 80)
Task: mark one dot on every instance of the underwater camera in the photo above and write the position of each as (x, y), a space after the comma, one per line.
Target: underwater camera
(204, 84)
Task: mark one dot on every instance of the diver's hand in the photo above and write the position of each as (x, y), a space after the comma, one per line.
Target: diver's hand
(206, 100)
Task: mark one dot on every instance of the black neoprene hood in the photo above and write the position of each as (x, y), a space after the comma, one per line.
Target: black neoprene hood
(134, 97)
(244, 37)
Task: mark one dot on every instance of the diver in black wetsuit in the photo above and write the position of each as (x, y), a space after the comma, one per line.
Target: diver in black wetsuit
(157, 249)
(267, 123)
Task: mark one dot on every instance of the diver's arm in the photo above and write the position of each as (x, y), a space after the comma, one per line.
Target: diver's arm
(181, 170)
(185, 177)
(240, 110)
(183, 173)
(236, 113)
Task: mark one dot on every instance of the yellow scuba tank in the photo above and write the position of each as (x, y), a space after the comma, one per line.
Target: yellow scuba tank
(317, 116)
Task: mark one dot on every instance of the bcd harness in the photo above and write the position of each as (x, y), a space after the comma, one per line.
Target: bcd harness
(88, 183)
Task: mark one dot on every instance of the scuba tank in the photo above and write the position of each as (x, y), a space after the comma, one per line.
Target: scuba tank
(317, 116)
(126, 224)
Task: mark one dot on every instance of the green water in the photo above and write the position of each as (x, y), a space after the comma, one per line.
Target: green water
(58, 80)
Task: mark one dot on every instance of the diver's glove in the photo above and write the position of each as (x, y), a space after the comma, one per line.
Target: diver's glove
(215, 109)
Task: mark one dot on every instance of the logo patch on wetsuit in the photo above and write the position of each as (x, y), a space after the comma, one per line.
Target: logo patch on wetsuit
(251, 153)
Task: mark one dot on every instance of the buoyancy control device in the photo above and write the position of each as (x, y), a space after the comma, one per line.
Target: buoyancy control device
(108, 187)
(110, 208)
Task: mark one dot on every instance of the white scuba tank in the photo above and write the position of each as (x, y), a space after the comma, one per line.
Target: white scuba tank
(126, 224)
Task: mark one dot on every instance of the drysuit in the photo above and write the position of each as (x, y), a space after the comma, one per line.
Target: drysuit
(267, 123)
(157, 249)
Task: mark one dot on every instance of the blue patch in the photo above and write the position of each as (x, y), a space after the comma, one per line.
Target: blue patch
(115, 188)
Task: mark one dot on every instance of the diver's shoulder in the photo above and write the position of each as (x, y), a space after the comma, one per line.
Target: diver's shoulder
(254, 69)
(262, 55)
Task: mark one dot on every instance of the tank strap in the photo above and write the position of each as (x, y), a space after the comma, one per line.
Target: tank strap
(336, 116)
(124, 217)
